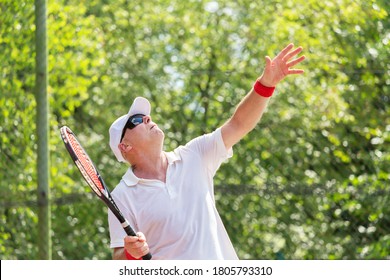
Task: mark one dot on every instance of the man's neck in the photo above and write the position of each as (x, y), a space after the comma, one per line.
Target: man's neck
(151, 167)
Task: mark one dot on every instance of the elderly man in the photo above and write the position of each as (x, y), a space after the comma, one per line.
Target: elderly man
(168, 197)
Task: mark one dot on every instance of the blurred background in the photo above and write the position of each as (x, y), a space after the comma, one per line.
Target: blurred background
(312, 181)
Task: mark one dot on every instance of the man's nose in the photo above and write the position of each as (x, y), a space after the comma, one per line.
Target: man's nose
(147, 119)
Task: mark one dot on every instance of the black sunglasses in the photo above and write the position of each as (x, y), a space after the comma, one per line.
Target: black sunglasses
(132, 122)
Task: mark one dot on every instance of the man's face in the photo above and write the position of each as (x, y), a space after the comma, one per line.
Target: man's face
(144, 134)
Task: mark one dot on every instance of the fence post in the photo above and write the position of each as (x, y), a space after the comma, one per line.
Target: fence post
(41, 81)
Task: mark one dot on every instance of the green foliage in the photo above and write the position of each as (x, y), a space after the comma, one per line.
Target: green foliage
(310, 182)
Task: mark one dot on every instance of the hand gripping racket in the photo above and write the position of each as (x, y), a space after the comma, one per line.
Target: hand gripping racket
(93, 178)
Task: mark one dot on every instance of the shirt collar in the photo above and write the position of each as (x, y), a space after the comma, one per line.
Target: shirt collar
(131, 180)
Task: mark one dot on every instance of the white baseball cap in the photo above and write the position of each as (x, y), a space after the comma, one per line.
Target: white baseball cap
(140, 106)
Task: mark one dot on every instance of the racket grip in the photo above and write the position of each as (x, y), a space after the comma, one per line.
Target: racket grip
(131, 232)
(148, 256)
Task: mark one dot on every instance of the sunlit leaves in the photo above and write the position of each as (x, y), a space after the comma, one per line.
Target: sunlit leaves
(312, 178)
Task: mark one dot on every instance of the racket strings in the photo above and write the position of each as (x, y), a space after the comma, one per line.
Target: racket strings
(85, 162)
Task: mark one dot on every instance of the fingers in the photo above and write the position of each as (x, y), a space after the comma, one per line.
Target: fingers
(268, 61)
(141, 237)
(291, 54)
(136, 245)
(288, 53)
(278, 68)
(285, 51)
(294, 62)
(295, 71)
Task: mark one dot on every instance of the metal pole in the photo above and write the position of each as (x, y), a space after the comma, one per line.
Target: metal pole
(41, 82)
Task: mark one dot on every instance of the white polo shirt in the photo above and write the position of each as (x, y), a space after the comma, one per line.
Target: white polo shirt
(179, 217)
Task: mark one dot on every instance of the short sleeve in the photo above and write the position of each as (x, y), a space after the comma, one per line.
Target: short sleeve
(211, 149)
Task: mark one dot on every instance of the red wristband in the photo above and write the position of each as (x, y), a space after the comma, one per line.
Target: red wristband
(130, 257)
(262, 90)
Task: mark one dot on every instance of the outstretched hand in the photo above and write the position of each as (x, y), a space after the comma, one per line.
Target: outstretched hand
(278, 68)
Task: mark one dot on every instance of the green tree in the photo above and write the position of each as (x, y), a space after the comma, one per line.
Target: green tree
(310, 182)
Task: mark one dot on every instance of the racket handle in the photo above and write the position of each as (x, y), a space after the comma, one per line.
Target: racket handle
(148, 256)
(131, 232)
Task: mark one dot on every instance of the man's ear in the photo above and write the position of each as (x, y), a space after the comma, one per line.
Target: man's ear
(124, 148)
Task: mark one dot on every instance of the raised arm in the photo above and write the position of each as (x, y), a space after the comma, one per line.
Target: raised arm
(249, 111)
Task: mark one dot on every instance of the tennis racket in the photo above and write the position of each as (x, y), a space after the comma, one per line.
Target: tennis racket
(93, 178)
